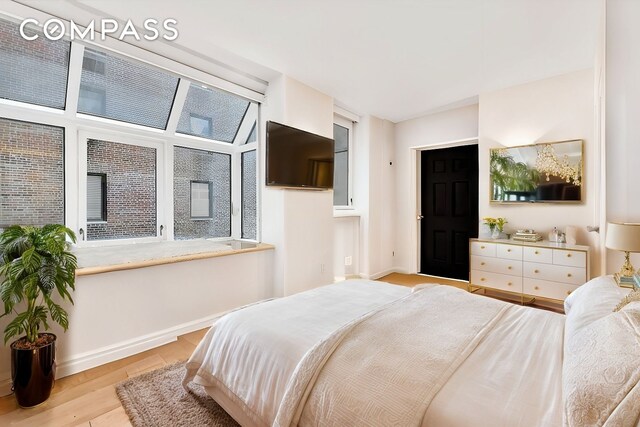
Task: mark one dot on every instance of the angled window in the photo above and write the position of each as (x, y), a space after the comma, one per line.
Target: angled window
(31, 174)
(201, 199)
(125, 90)
(96, 197)
(252, 135)
(224, 111)
(33, 71)
(341, 136)
(249, 195)
(201, 194)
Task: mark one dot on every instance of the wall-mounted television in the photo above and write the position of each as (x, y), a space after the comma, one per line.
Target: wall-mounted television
(299, 159)
(547, 172)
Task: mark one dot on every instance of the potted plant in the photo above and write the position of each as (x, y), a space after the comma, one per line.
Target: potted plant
(35, 262)
(496, 226)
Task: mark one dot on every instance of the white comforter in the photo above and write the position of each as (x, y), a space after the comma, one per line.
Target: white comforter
(485, 362)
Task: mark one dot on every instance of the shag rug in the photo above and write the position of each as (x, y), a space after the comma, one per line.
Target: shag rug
(157, 399)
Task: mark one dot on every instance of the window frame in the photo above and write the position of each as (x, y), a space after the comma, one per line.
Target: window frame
(79, 127)
(349, 125)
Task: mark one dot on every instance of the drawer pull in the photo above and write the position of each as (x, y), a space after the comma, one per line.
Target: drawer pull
(568, 255)
(508, 250)
(481, 247)
(568, 292)
(536, 271)
(482, 263)
(536, 252)
(536, 288)
(482, 279)
(509, 267)
(568, 274)
(509, 284)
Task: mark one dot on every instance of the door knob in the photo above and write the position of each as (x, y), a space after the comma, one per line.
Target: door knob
(419, 217)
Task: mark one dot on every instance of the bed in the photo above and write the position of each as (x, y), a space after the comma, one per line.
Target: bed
(369, 353)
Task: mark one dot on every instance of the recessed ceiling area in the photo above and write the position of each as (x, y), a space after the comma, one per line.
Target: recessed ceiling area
(393, 59)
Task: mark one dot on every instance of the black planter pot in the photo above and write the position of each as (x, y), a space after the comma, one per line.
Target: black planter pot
(33, 373)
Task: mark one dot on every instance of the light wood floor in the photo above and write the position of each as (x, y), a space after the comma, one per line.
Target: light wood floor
(89, 398)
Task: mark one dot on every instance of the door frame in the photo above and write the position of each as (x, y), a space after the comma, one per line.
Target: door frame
(416, 174)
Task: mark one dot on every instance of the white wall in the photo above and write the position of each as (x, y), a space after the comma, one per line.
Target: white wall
(623, 118)
(374, 195)
(554, 109)
(298, 222)
(346, 243)
(431, 130)
(121, 313)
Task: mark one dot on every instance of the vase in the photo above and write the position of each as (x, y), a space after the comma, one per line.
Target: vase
(495, 233)
(33, 373)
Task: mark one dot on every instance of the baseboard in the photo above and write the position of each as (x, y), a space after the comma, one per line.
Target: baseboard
(379, 274)
(82, 362)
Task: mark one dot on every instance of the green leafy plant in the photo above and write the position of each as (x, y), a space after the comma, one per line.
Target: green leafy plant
(509, 175)
(34, 262)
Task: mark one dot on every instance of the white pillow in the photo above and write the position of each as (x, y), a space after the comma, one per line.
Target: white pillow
(590, 302)
(601, 370)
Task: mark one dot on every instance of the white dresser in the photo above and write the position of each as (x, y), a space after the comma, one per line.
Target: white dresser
(543, 270)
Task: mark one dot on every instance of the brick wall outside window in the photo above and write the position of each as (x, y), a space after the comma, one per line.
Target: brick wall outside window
(131, 189)
(198, 165)
(31, 174)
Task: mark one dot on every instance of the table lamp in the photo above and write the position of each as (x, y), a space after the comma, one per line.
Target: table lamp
(624, 237)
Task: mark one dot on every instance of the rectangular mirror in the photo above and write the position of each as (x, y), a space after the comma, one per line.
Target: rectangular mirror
(548, 172)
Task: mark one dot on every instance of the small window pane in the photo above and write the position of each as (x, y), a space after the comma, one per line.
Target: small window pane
(31, 174)
(341, 166)
(33, 71)
(123, 90)
(252, 135)
(200, 200)
(223, 110)
(131, 189)
(96, 200)
(214, 170)
(249, 195)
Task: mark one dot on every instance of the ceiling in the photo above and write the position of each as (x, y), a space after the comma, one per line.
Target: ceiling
(393, 59)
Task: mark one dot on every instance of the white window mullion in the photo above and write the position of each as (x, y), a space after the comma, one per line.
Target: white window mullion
(178, 104)
(236, 195)
(73, 82)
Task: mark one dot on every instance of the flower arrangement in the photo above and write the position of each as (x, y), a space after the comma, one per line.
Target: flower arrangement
(495, 223)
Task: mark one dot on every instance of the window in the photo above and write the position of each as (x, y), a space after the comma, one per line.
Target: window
(249, 195)
(131, 195)
(33, 71)
(200, 125)
(211, 174)
(124, 90)
(92, 99)
(96, 197)
(31, 174)
(224, 111)
(342, 131)
(201, 199)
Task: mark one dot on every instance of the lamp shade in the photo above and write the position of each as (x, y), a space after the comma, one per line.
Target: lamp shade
(623, 237)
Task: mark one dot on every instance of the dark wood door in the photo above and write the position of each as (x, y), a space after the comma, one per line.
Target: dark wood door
(449, 193)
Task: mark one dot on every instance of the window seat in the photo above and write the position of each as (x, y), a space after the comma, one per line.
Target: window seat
(103, 259)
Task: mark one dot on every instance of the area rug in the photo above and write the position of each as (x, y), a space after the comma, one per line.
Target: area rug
(158, 399)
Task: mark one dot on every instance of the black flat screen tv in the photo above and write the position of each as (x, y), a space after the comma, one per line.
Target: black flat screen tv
(296, 158)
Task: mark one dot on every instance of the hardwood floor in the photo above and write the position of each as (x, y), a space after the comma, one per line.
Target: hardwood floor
(89, 398)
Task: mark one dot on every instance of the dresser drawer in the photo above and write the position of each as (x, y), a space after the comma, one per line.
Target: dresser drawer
(547, 289)
(483, 249)
(555, 273)
(570, 258)
(496, 265)
(496, 281)
(534, 254)
(509, 251)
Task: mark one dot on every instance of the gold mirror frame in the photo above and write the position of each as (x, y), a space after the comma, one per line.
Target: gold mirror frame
(565, 169)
